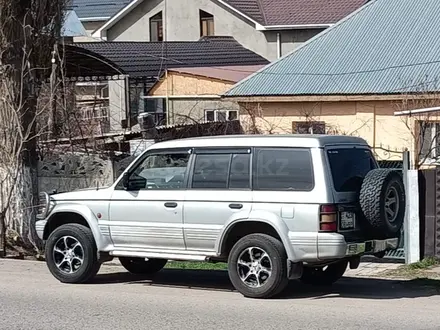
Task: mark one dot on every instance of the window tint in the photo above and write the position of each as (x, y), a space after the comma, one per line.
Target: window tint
(211, 171)
(284, 169)
(239, 177)
(349, 167)
(163, 171)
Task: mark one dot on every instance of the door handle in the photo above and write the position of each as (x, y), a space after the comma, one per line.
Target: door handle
(171, 205)
(235, 206)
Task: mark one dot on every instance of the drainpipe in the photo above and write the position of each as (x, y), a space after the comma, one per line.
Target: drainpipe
(167, 101)
(165, 21)
(127, 102)
(279, 44)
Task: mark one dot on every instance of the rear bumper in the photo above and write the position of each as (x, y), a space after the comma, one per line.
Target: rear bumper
(334, 246)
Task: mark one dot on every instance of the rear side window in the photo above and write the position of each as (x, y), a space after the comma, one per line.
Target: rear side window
(284, 169)
(349, 166)
(221, 171)
(211, 171)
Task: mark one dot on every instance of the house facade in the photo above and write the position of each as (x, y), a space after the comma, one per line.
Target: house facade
(269, 28)
(123, 98)
(332, 86)
(193, 94)
(371, 118)
(93, 14)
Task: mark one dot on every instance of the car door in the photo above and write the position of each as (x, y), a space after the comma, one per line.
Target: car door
(218, 190)
(147, 212)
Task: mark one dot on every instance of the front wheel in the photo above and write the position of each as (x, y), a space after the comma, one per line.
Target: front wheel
(257, 266)
(323, 276)
(71, 254)
(142, 266)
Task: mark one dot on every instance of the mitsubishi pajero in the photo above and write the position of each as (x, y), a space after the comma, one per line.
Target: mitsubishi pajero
(274, 207)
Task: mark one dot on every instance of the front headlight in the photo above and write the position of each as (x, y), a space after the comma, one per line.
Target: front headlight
(43, 206)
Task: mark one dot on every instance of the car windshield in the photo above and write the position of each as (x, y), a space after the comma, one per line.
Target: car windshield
(349, 166)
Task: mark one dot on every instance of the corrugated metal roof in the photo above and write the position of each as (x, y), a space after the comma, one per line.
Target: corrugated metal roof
(233, 73)
(385, 47)
(97, 8)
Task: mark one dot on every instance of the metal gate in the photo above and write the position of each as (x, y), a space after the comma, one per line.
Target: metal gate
(397, 165)
(429, 203)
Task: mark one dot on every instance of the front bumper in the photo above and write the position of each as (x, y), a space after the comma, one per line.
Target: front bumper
(39, 227)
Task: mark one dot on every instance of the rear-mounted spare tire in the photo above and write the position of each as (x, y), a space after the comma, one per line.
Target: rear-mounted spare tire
(382, 200)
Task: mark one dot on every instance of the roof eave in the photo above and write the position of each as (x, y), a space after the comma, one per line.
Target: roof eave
(94, 19)
(101, 32)
(260, 27)
(235, 10)
(320, 98)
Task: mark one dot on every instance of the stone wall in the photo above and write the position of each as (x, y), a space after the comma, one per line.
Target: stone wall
(70, 172)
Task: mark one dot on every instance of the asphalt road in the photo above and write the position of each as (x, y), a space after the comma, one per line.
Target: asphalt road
(30, 298)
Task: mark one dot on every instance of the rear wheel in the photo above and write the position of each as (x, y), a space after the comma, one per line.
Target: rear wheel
(142, 266)
(257, 266)
(324, 276)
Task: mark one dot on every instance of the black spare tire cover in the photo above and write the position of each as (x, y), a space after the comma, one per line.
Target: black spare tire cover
(382, 200)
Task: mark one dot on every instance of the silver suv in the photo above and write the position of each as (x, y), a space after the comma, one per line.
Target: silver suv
(274, 208)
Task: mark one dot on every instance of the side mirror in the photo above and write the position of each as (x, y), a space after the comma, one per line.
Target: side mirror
(134, 182)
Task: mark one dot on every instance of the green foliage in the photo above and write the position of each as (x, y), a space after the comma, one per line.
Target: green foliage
(424, 264)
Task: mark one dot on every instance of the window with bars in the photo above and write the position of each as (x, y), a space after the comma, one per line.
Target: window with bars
(308, 127)
(94, 112)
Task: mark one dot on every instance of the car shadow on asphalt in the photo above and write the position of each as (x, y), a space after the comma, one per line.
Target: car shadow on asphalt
(347, 287)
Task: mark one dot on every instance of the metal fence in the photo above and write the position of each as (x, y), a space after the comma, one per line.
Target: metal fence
(399, 253)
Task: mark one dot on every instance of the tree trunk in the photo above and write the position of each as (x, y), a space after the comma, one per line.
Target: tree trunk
(20, 216)
(20, 184)
(2, 236)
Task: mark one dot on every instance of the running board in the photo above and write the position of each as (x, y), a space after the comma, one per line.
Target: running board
(155, 255)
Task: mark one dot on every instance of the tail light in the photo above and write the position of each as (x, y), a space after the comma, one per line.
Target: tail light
(328, 218)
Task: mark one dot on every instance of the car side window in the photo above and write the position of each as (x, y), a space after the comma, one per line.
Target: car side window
(285, 169)
(221, 171)
(163, 170)
(211, 171)
(239, 176)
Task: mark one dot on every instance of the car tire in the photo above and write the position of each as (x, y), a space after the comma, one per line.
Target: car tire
(382, 201)
(324, 276)
(142, 266)
(257, 266)
(71, 254)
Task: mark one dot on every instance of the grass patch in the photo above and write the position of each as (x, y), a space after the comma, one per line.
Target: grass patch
(426, 263)
(417, 270)
(196, 265)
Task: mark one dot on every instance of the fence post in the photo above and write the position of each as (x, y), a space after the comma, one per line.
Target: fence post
(412, 221)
